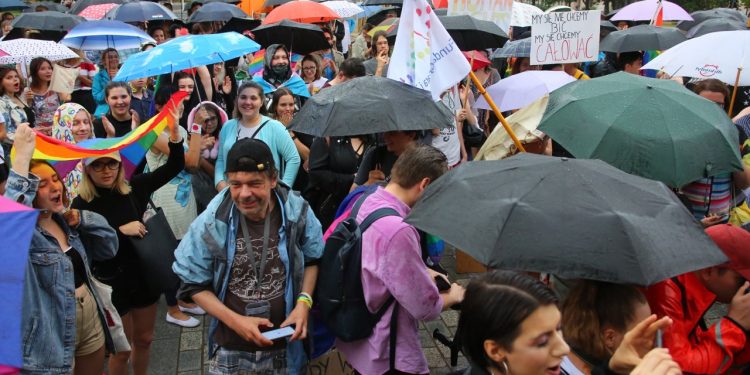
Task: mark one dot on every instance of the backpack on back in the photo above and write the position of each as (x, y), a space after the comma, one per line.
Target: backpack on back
(339, 287)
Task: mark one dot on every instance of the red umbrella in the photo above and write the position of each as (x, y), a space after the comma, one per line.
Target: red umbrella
(440, 4)
(477, 59)
(97, 12)
(303, 11)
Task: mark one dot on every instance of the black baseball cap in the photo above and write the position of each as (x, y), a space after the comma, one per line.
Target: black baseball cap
(249, 155)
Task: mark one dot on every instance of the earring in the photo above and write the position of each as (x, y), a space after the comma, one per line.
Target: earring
(506, 371)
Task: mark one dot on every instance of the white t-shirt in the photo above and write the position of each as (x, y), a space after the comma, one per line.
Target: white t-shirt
(449, 143)
(568, 368)
(244, 132)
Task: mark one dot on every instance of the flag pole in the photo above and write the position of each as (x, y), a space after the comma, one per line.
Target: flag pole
(496, 110)
(734, 91)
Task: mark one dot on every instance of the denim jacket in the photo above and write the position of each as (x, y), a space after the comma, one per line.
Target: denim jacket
(203, 260)
(48, 327)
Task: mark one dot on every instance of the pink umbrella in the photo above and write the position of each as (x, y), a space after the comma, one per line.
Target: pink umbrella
(646, 10)
(97, 12)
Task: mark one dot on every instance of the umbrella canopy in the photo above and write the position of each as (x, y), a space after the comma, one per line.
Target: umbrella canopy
(184, 53)
(369, 105)
(80, 5)
(383, 15)
(607, 25)
(141, 11)
(240, 25)
(727, 14)
(8, 5)
(48, 20)
(100, 35)
(17, 237)
(649, 127)
(383, 2)
(304, 11)
(301, 38)
(98, 11)
(44, 6)
(478, 60)
(572, 218)
(520, 90)
(386, 25)
(645, 10)
(715, 25)
(471, 33)
(515, 48)
(642, 38)
(213, 12)
(716, 55)
(524, 122)
(344, 8)
(22, 51)
(522, 14)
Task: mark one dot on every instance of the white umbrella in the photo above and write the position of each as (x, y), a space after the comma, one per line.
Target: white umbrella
(524, 123)
(520, 90)
(344, 8)
(22, 51)
(522, 13)
(720, 55)
(645, 10)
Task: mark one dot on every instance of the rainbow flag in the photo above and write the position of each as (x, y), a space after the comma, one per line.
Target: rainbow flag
(132, 146)
(256, 65)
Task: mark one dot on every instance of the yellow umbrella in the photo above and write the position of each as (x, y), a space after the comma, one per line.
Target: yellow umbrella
(499, 145)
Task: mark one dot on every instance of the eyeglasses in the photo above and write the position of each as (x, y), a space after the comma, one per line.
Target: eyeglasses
(112, 165)
(211, 119)
(309, 68)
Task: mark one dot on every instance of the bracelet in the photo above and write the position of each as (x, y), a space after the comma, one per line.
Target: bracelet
(306, 299)
(196, 129)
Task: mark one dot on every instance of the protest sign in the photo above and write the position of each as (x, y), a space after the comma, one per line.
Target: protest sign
(565, 37)
(497, 11)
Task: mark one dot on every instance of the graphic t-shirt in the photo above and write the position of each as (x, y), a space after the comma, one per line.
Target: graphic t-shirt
(253, 293)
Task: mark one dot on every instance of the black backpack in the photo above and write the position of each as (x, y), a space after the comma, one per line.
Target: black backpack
(339, 286)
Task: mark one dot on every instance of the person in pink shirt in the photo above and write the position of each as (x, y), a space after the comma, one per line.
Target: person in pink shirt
(392, 265)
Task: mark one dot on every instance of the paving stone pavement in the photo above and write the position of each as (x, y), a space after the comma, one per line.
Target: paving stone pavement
(184, 351)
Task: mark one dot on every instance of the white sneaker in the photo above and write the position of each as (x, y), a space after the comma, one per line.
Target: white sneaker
(189, 323)
(192, 310)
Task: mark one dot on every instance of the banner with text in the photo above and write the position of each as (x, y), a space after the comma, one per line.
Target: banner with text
(565, 37)
(497, 11)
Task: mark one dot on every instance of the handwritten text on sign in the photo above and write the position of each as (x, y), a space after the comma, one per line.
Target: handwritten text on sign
(497, 11)
(565, 37)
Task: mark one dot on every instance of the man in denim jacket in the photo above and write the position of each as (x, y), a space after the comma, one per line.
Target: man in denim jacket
(250, 260)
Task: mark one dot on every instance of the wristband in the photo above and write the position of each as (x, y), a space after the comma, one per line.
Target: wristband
(306, 299)
(196, 129)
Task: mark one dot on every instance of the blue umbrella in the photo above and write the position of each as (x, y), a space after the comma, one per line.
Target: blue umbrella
(141, 11)
(100, 35)
(184, 53)
(6, 5)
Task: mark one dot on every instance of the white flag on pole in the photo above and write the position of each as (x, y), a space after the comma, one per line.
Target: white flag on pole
(425, 55)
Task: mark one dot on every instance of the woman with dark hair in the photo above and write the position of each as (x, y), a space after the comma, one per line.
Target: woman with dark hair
(120, 118)
(210, 117)
(110, 65)
(377, 161)
(596, 316)
(312, 71)
(12, 108)
(282, 110)
(248, 122)
(40, 98)
(377, 64)
(158, 34)
(63, 324)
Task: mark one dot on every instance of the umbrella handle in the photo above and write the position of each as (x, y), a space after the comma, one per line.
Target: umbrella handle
(496, 111)
(734, 92)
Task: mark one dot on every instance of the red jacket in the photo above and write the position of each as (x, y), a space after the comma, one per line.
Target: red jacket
(696, 348)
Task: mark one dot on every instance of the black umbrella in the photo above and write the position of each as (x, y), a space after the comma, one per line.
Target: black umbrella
(8, 5)
(441, 12)
(642, 38)
(471, 33)
(141, 11)
(272, 3)
(369, 105)
(574, 218)
(240, 25)
(302, 38)
(49, 5)
(216, 11)
(714, 25)
(80, 5)
(52, 25)
(703, 15)
(223, 1)
(383, 2)
(380, 16)
(607, 25)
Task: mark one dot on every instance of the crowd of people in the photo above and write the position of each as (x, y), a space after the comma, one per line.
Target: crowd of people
(253, 204)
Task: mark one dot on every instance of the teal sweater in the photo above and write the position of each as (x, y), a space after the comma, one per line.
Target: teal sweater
(275, 135)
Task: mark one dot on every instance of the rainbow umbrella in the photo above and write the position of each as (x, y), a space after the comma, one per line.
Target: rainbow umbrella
(16, 239)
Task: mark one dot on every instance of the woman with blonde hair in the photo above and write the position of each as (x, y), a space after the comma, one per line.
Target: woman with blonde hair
(105, 190)
(71, 123)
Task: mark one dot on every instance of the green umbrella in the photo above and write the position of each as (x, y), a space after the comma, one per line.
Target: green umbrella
(648, 127)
